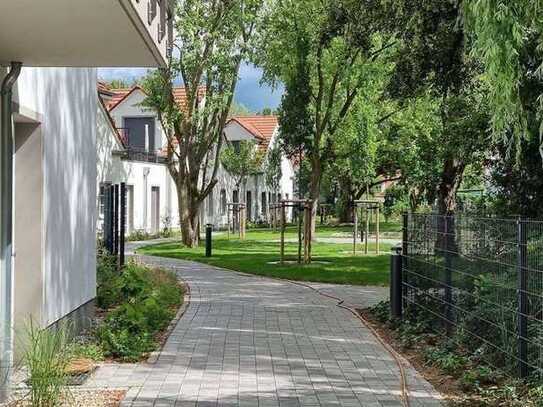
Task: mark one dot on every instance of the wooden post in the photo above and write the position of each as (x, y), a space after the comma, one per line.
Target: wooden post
(243, 215)
(228, 220)
(355, 232)
(283, 222)
(307, 234)
(377, 229)
(367, 230)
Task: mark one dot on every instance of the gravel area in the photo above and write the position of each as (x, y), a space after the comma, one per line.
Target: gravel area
(87, 398)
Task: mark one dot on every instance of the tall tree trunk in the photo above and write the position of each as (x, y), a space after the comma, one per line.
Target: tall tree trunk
(346, 195)
(189, 211)
(451, 178)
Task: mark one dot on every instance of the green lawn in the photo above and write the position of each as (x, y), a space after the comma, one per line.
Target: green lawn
(327, 231)
(258, 254)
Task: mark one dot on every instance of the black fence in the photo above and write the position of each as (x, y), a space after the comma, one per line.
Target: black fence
(479, 282)
(114, 227)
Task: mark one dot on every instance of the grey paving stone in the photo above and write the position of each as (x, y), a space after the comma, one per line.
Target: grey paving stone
(249, 341)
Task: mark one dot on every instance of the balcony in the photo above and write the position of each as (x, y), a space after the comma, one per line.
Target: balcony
(134, 152)
(86, 33)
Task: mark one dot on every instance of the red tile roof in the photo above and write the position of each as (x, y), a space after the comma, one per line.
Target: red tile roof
(119, 95)
(179, 94)
(261, 127)
(104, 89)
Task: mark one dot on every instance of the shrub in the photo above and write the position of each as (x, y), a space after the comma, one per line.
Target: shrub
(108, 284)
(46, 357)
(145, 301)
(124, 345)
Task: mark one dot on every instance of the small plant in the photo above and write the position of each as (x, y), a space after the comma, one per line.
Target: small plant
(47, 358)
(475, 378)
(87, 350)
(140, 235)
(166, 227)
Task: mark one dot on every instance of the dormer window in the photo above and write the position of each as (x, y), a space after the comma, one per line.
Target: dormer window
(236, 145)
(140, 132)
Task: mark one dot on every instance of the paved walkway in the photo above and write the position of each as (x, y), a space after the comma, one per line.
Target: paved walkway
(249, 341)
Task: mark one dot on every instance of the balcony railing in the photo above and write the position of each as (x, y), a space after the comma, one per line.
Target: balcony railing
(137, 153)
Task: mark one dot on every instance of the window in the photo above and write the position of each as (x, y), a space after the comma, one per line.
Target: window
(141, 133)
(236, 145)
(102, 198)
(235, 196)
(130, 207)
(264, 203)
(223, 202)
(210, 205)
(249, 203)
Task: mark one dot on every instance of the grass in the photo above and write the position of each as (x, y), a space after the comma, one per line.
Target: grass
(46, 357)
(259, 254)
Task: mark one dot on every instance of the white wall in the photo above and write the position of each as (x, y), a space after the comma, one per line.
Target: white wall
(255, 184)
(28, 225)
(143, 176)
(131, 107)
(158, 175)
(112, 169)
(66, 100)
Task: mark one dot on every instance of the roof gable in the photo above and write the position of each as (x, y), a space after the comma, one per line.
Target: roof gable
(262, 128)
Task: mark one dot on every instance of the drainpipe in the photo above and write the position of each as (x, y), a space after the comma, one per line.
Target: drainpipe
(6, 228)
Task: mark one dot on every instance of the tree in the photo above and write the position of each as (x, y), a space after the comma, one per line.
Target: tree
(436, 57)
(239, 109)
(317, 48)
(518, 180)
(355, 165)
(241, 160)
(121, 83)
(272, 170)
(408, 147)
(213, 38)
(267, 111)
(502, 31)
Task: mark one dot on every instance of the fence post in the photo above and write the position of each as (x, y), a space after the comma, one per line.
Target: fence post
(522, 283)
(355, 232)
(396, 285)
(123, 224)
(448, 273)
(405, 252)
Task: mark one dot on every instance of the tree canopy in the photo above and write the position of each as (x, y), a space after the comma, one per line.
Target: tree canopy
(213, 39)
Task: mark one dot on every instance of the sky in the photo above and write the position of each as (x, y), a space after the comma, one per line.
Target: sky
(249, 91)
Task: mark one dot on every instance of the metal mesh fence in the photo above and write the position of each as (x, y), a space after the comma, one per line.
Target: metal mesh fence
(479, 282)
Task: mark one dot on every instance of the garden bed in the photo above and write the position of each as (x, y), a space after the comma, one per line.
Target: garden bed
(463, 381)
(136, 306)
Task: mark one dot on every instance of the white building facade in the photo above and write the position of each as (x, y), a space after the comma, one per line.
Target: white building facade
(48, 149)
(151, 192)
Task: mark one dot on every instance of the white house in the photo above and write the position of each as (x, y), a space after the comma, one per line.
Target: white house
(132, 143)
(48, 148)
